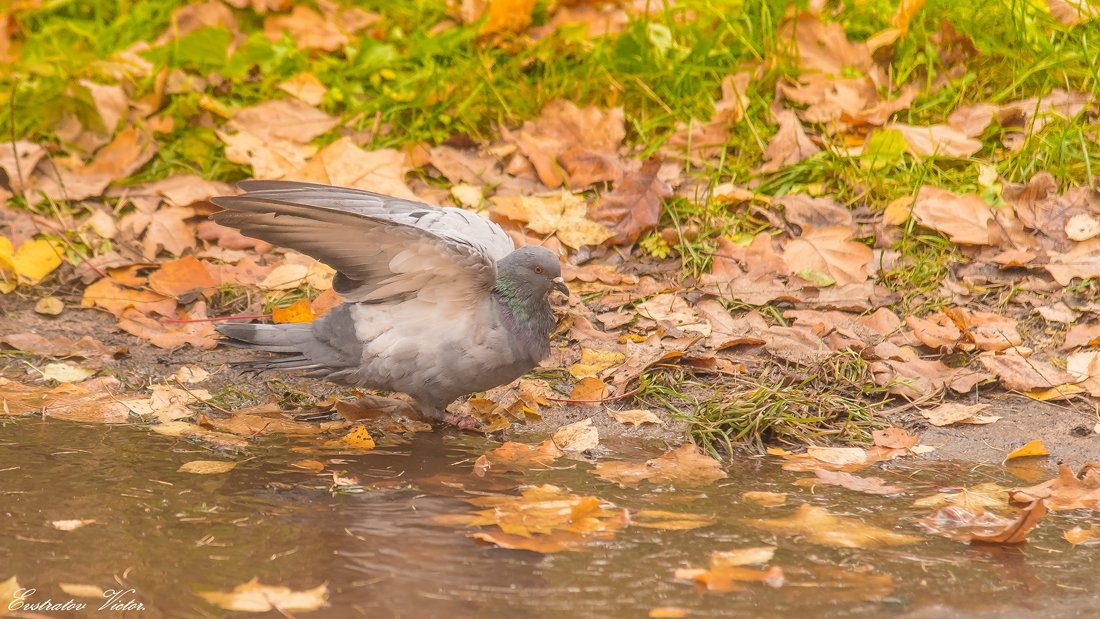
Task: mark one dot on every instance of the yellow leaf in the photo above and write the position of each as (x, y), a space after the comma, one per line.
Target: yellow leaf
(511, 15)
(358, 438)
(258, 598)
(1032, 448)
(595, 361)
(298, 311)
(207, 467)
(33, 261)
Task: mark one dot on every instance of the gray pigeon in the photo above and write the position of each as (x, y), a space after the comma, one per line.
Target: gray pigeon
(438, 301)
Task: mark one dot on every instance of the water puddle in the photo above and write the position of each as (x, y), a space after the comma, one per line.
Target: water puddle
(373, 537)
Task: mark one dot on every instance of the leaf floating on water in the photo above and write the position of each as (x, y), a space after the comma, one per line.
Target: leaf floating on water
(726, 579)
(207, 467)
(765, 499)
(79, 590)
(1083, 537)
(868, 485)
(253, 597)
(979, 497)
(7, 589)
(521, 456)
(669, 521)
(1033, 448)
(1065, 492)
(758, 555)
(548, 517)
(358, 439)
(819, 526)
(313, 466)
(966, 525)
(70, 525)
(684, 465)
(668, 612)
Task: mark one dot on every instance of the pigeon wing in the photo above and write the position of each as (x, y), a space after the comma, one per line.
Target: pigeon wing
(380, 256)
(445, 222)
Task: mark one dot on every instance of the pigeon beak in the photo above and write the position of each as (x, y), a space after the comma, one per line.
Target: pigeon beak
(559, 285)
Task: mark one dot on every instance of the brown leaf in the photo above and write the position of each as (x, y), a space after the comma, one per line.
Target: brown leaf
(726, 579)
(91, 401)
(1065, 492)
(116, 299)
(803, 210)
(520, 456)
(684, 465)
(308, 29)
(1019, 373)
(789, 145)
(819, 526)
(828, 251)
(253, 425)
(951, 413)
(937, 140)
(965, 525)
(191, 329)
(289, 120)
(634, 207)
(344, 164)
(187, 275)
(86, 347)
(963, 218)
(563, 127)
(868, 485)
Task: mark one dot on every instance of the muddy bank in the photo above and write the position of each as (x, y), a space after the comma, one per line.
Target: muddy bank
(1066, 428)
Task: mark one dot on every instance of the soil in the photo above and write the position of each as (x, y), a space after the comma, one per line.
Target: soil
(1066, 429)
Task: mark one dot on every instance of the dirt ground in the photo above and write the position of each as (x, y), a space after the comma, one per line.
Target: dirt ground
(1067, 429)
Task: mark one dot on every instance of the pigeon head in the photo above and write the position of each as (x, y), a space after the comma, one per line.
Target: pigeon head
(530, 272)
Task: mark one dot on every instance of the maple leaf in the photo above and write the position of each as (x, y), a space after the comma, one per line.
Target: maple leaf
(634, 207)
(963, 218)
(828, 251)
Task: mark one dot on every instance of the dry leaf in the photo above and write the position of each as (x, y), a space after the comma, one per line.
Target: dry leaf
(634, 207)
(819, 526)
(1030, 449)
(207, 467)
(635, 417)
(828, 251)
(684, 465)
(963, 218)
(577, 437)
(254, 597)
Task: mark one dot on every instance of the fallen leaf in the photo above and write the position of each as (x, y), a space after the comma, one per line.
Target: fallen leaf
(867, 485)
(962, 524)
(789, 145)
(184, 276)
(563, 215)
(89, 402)
(49, 306)
(669, 521)
(70, 525)
(634, 207)
(681, 466)
(674, 310)
(254, 597)
(577, 437)
(60, 346)
(593, 362)
(817, 525)
(1019, 373)
(358, 439)
(32, 261)
(1066, 491)
(65, 373)
(298, 311)
(828, 251)
(937, 140)
(345, 164)
(756, 555)
(520, 456)
(564, 127)
(726, 579)
(635, 417)
(82, 591)
(766, 499)
(254, 425)
(306, 87)
(207, 467)
(190, 374)
(977, 498)
(1032, 448)
(950, 413)
(963, 218)
(1080, 537)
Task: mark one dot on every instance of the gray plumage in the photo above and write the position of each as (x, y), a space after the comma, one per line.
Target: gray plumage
(438, 302)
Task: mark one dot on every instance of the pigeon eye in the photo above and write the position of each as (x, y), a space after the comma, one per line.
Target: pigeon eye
(538, 269)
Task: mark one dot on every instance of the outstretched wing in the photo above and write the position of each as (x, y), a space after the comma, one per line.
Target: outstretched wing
(384, 249)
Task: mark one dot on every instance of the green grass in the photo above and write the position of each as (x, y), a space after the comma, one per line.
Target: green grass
(835, 401)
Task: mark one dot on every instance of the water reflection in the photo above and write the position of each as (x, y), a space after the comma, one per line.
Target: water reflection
(168, 535)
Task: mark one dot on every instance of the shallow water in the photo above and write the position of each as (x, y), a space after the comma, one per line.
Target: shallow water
(168, 535)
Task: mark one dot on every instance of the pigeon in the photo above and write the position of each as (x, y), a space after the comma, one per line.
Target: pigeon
(438, 302)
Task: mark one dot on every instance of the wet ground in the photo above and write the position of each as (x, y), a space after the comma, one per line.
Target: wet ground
(170, 535)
